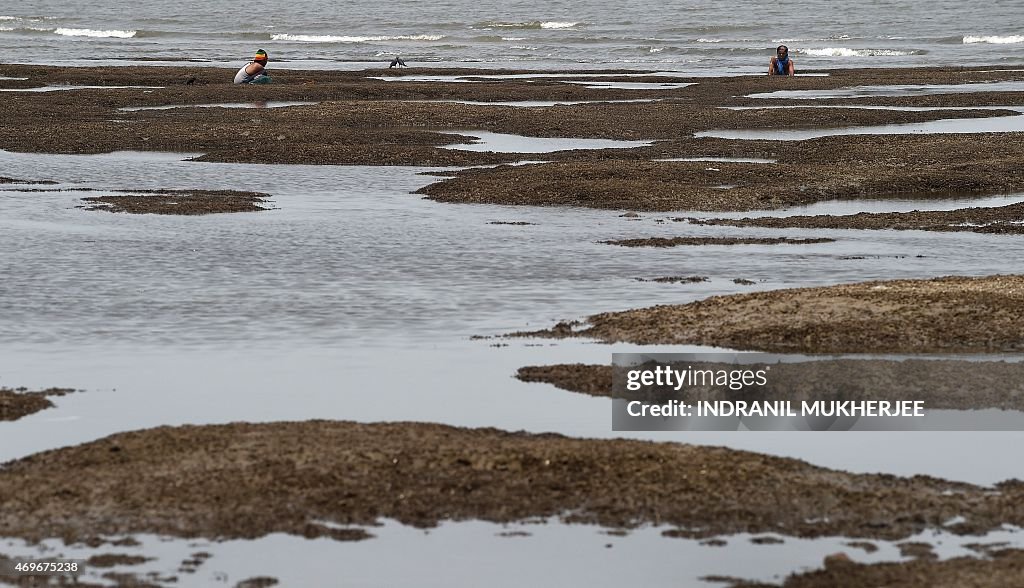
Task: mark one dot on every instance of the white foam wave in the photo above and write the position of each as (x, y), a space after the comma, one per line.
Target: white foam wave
(28, 18)
(557, 25)
(655, 49)
(710, 40)
(845, 52)
(513, 38)
(523, 47)
(533, 24)
(352, 39)
(94, 33)
(816, 40)
(996, 40)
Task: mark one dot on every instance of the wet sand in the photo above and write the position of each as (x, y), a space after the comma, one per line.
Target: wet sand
(942, 315)
(17, 403)
(248, 480)
(998, 219)
(376, 122)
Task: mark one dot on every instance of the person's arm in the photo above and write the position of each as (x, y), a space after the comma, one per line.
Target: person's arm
(771, 66)
(791, 68)
(253, 68)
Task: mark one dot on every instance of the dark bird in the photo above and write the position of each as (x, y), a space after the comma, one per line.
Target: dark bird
(396, 61)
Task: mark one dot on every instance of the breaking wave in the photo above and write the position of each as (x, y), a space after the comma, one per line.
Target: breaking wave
(533, 24)
(995, 40)
(94, 33)
(845, 52)
(352, 39)
(558, 25)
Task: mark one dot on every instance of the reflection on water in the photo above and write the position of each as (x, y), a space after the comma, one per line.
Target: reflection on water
(633, 85)
(61, 87)
(721, 159)
(259, 104)
(895, 90)
(526, 76)
(871, 107)
(503, 143)
(995, 124)
(478, 553)
(535, 103)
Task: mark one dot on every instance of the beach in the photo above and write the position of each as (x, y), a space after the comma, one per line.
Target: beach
(321, 310)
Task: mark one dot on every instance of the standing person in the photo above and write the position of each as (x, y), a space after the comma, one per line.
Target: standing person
(254, 72)
(781, 64)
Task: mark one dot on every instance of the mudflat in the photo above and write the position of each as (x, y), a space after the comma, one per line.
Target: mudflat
(247, 480)
(373, 117)
(179, 202)
(942, 315)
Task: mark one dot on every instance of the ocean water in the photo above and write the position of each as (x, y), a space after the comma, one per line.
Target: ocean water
(687, 35)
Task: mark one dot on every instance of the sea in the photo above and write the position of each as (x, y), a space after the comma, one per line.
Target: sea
(734, 36)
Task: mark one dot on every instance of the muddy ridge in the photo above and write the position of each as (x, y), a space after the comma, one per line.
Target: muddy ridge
(676, 279)
(804, 175)
(997, 219)
(180, 202)
(695, 241)
(366, 121)
(595, 380)
(942, 315)
(247, 480)
(19, 402)
(940, 384)
(1000, 569)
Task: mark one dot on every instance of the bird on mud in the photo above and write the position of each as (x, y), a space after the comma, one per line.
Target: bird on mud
(397, 61)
